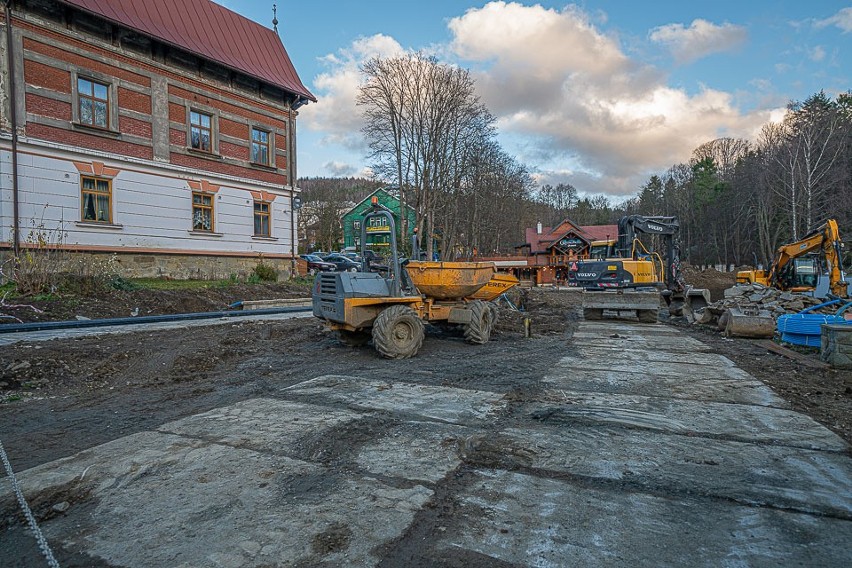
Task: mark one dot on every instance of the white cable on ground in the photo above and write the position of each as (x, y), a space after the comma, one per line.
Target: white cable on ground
(42, 542)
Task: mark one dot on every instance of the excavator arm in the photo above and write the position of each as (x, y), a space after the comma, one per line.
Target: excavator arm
(825, 239)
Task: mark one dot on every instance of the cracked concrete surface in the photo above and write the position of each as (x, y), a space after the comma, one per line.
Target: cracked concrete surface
(619, 456)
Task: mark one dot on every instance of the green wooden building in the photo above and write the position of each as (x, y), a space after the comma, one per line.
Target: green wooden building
(378, 235)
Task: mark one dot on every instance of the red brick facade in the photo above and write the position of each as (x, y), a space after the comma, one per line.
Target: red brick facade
(93, 142)
(60, 54)
(213, 165)
(132, 100)
(41, 75)
(133, 126)
(48, 56)
(50, 108)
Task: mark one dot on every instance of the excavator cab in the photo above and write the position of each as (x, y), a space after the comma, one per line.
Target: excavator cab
(800, 275)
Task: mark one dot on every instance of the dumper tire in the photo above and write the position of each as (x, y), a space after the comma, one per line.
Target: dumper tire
(478, 331)
(353, 338)
(495, 313)
(398, 332)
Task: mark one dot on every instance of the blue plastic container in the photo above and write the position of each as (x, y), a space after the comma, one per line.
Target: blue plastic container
(805, 328)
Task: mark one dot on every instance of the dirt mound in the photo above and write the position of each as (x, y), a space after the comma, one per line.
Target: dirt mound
(709, 278)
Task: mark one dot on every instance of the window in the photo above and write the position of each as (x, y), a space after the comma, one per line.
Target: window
(201, 131)
(202, 212)
(356, 224)
(96, 195)
(260, 147)
(93, 98)
(261, 219)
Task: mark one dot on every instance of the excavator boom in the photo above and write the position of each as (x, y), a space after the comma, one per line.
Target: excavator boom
(784, 272)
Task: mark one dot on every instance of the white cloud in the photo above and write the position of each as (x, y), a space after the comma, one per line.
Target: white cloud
(609, 118)
(842, 19)
(335, 114)
(339, 169)
(570, 104)
(816, 54)
(701, 38)
(541, 42)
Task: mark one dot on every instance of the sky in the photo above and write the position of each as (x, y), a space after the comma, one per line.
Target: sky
(600, 94)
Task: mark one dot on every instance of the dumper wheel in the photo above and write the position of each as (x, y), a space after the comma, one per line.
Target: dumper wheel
(353, 338)
(593, 314)
(478, 331)
(495, 313)
(398, 332)
(647, 316)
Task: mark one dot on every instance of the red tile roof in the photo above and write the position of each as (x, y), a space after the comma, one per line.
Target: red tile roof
(540, 242)
(600, 232)
(209, 31)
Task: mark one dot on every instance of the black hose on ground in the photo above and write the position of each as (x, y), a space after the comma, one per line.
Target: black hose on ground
(107, 322)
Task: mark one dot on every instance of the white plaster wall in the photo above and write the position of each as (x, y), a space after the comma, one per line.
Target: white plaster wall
(152, 208)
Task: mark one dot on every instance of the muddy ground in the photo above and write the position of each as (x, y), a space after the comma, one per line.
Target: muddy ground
(63, 396)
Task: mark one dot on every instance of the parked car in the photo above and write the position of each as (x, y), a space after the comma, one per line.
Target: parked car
(343, 264)
(317, 264)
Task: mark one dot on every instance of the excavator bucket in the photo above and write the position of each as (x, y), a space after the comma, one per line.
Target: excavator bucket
(697, 298)
(740, 322)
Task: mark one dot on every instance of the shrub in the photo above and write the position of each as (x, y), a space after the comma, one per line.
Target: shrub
(263, 273)
(91, 274)
(36, 268)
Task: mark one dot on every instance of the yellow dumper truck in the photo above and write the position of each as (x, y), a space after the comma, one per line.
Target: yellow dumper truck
(391, 305)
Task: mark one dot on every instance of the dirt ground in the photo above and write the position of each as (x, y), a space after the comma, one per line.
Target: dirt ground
(114, 378)
(62, 396)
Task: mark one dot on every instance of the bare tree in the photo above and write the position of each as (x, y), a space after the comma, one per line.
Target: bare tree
(430, 134)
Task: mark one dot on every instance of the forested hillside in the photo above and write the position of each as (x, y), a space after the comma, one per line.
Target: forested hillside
(737, 199)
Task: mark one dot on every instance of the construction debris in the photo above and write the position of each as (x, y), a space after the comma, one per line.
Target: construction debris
(751, 310)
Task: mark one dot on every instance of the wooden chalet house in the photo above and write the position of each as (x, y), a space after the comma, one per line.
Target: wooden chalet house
(378, 235)
(159, 131)
(549, 251)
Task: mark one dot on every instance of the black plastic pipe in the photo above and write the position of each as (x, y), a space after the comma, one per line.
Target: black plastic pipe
(107, 322)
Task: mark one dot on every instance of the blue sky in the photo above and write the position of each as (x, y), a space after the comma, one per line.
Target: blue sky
(598, 93)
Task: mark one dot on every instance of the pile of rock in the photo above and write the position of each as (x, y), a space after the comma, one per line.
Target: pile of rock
(754, 298)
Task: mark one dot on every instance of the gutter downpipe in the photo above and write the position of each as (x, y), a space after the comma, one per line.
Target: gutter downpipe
(295, 104)
(291, 162)
(13, 118)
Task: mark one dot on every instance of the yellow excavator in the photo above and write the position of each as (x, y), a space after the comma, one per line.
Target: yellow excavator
(796, 266)
(625, 276)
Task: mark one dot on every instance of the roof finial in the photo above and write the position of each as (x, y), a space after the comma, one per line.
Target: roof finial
(275, 18)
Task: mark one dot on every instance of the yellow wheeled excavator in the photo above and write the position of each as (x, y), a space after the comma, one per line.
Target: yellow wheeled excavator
(796, 266)
(633, 278)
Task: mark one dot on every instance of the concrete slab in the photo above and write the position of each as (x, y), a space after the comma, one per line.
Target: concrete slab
(610, 327)
(617, 361)
(155, 499)
(619, 340)
(739, 422)
(693, 386)
(418, 451)
(593, 466)
(444, 404)
(261, 424)
(768, 476)
(525, 520)
(660, 354)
